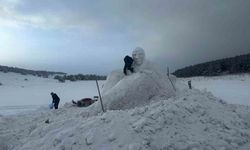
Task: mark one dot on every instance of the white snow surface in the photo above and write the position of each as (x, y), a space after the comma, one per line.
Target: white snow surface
(231, 88)
(23, 90)
(136, 89)
(189, 120)
(192, 120)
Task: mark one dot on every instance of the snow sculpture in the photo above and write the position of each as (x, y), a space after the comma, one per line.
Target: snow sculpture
(146, 84)
(139, 57)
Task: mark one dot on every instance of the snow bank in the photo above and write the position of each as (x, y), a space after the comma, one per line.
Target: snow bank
(190, 120)
(147, 83)
(136, 89)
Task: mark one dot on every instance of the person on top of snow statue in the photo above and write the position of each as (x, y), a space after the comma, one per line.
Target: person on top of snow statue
(147, 83)
(138, 55)
(128, 65)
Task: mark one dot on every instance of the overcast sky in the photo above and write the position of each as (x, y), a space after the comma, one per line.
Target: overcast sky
(93, 36)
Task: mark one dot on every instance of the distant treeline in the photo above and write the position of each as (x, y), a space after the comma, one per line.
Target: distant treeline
(44, 74)
(234, 65)
(79, 77)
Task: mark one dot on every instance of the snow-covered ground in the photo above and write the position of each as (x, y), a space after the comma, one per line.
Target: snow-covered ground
(18, 94)
(26, 92)
(191, 120)
(231, 88)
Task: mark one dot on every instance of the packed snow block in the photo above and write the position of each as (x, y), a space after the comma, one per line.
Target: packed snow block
(135, 90)
(114, 77)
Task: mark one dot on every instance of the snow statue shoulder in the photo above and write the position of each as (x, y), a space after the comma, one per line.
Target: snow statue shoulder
(147, 83)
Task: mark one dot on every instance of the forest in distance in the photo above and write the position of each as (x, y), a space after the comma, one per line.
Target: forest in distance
(233, 65)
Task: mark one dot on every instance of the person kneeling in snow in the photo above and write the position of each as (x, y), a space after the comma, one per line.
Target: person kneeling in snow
(128, 65)
(85, 102)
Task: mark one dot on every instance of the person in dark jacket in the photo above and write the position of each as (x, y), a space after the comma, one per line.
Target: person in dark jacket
(128, 64)
(55, 100)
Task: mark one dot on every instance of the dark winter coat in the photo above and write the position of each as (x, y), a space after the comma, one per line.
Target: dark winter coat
(55, 98)
(128, 64)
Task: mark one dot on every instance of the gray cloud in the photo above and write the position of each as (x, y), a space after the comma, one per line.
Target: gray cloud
(176, 33)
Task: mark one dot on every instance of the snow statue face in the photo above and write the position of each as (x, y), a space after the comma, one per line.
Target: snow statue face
(138, 56)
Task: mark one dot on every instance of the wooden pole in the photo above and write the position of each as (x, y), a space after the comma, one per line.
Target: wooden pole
(168, 70)
(99, 95)
(170, 79)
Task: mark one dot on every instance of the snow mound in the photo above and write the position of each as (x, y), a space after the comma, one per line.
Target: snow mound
(136, 89)
(190, 120)
(145, 84)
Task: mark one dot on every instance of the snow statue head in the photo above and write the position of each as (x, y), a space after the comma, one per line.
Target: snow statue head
(138, 55)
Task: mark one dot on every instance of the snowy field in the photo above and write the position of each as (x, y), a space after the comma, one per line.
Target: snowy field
(20, 93)
(190, 120)
(231, 88)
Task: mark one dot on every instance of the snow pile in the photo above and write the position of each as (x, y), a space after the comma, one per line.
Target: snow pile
(143, 113)
(190, 120)
(136, 89)
(148, 83)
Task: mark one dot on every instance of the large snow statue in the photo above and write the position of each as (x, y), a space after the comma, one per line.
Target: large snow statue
(147, 83)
